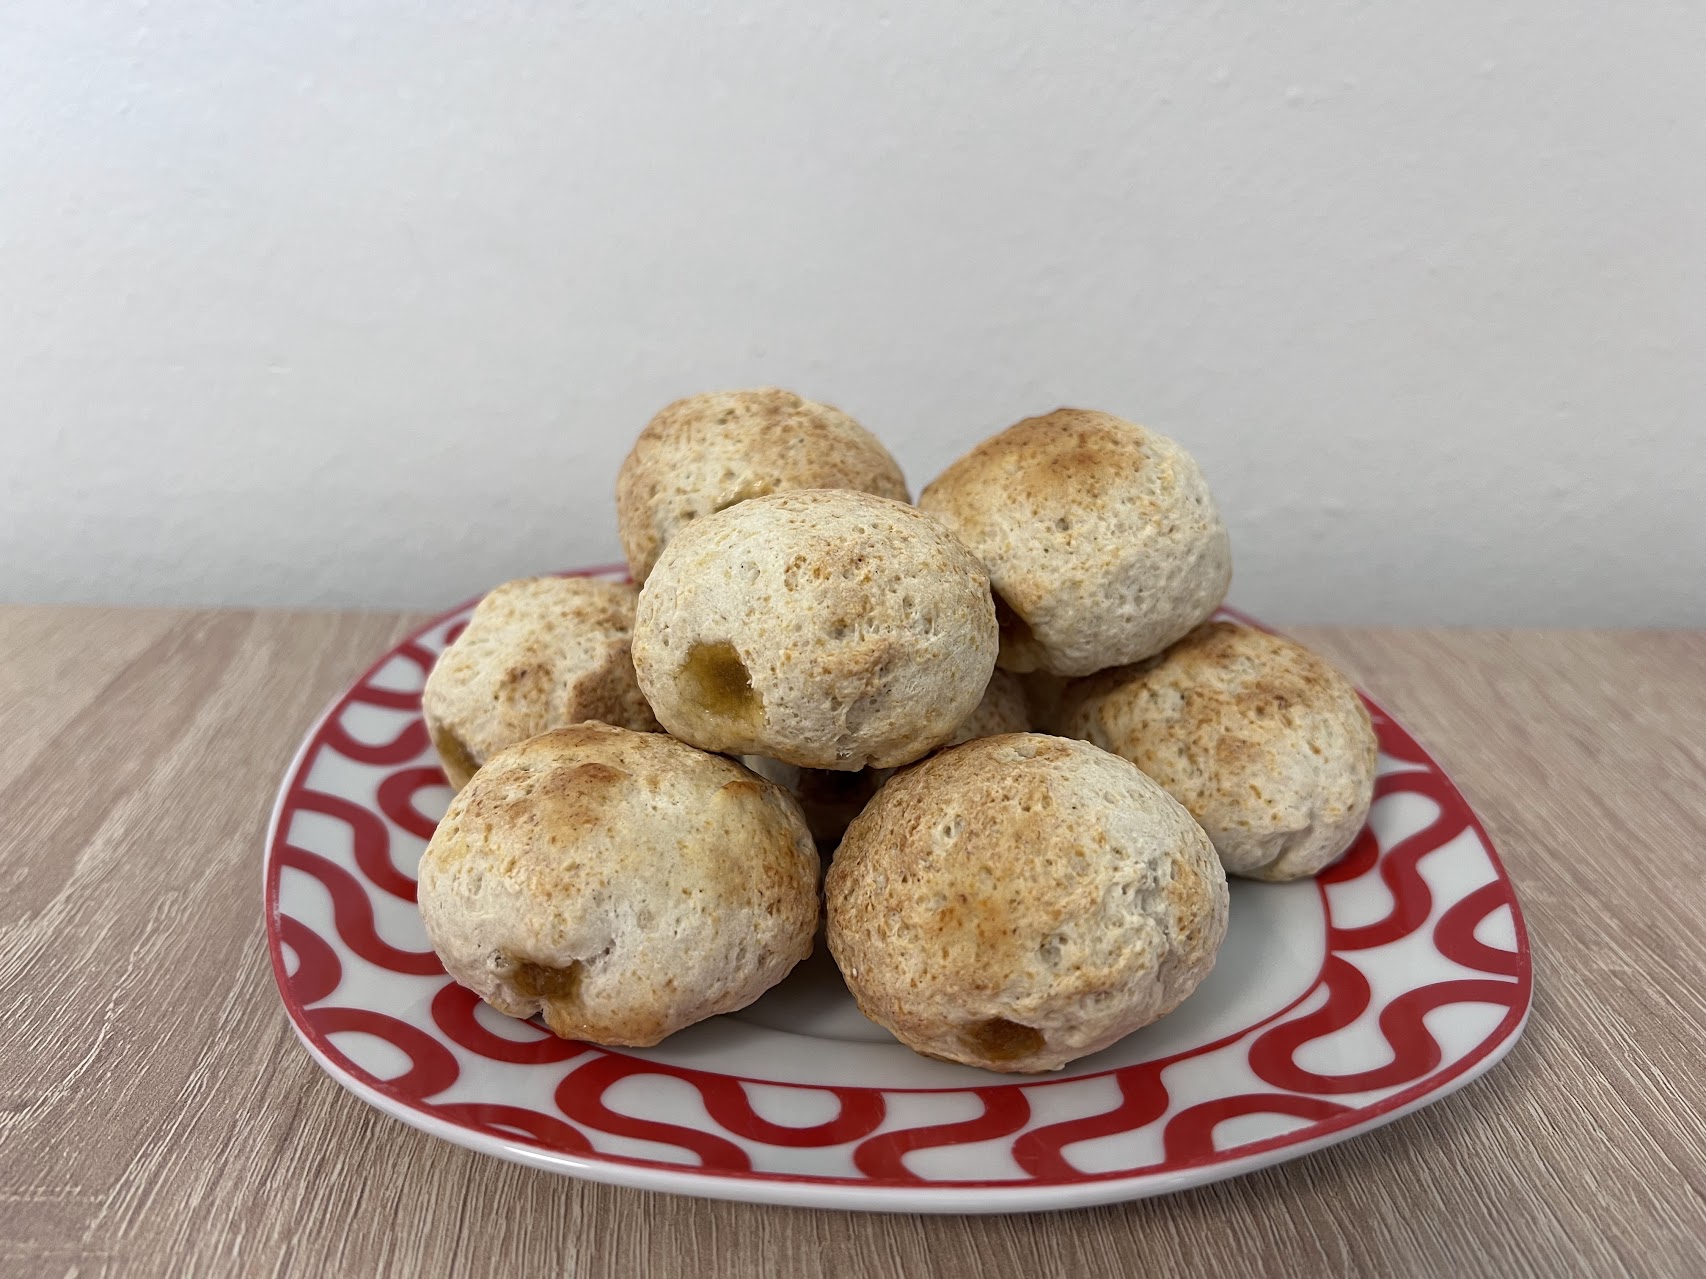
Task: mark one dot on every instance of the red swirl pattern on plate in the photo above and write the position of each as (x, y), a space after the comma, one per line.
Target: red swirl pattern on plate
(581, 1097)
(396, 798)
(453, 1012)
(351, 969)
(371, 841)
(432, 1066)
(1005, 1111)
(727, 1102)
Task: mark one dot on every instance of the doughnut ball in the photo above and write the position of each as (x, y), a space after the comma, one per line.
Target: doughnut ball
(1001, 710)
(1042, 696)
(822, 628)
(623, 884)
(710, 451)
(539, 653)
(1102, 542)
(831, 800)
(1021, 901)
(1268, 745)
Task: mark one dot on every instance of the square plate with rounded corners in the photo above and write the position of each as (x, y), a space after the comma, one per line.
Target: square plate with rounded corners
(1336, 1005)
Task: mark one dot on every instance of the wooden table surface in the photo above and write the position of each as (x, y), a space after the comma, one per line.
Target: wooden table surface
(158, 1117)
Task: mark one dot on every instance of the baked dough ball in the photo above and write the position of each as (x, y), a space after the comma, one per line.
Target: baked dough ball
(622, 883)
(1102, 542)
(830, 800)
(1269, 746)
(1042, 696)
(1002, 710)
(538, 653)
(823, 628)
(1022, 901)
(709, 451)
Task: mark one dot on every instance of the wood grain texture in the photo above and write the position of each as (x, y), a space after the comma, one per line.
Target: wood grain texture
(158, 1118)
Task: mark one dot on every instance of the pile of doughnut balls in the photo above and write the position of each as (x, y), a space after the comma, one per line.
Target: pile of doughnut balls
(1002, 714)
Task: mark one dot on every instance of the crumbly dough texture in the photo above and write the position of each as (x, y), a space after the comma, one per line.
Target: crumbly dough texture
(823, 628)
(1042, 696)
(710, 451)
(1021, 901)
(1101, 539)
(831, 800)
(1267, 744)
(1001, 710)
(621, 883)
(537, 654)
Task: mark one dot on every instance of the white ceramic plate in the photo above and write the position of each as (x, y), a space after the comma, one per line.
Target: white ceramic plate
(1335, 1006)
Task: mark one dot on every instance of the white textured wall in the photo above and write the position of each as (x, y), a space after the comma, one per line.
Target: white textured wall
(362, 304)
